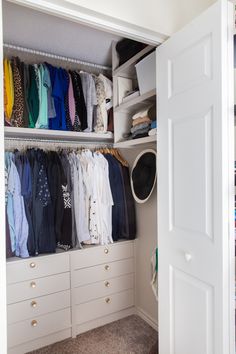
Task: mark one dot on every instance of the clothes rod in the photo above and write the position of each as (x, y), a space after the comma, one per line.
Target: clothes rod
(57, 57)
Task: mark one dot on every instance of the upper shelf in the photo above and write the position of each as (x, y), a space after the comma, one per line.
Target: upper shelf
(136, 142)
(128, 69)
(15, 132)
(137, 103)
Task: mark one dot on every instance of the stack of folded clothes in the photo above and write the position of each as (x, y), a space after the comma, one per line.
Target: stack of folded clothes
(144, 123)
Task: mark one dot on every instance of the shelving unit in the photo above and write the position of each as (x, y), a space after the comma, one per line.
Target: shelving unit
(124, 111)
(135, 142)
(15, 132)
(128, 68)
(137, 103)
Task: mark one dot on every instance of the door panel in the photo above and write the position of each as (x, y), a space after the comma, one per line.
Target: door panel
(193, 196)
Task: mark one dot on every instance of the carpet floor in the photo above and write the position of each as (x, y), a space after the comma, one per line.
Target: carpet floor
(130, 335)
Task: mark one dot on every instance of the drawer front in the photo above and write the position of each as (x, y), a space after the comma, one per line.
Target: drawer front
(37, 267)
(101, 254)
(102, 272)
(37, 287)
(104, 306)
(104, 288)
(36, 327)
(38, 306)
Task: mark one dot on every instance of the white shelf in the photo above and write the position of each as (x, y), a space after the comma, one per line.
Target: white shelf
(135, 142)
(128, 69)
(14, 132)
(137, 103)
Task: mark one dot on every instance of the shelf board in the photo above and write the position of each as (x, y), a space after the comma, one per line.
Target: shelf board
(137, 103)
(15, 132)
(136, 142)
(128, 69)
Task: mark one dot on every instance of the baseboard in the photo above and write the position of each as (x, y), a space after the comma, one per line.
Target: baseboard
(147, 318)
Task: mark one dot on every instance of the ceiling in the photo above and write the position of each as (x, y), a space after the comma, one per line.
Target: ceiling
(32, 29)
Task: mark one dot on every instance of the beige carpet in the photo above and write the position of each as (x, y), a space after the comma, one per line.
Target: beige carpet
(130, 335)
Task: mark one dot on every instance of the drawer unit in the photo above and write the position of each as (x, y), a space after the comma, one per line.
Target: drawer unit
(103, 272)
(103, 288)
(38, 326)
(37, 287)
(101, 254)
(37, 267)
(104, 306)
(21, 311)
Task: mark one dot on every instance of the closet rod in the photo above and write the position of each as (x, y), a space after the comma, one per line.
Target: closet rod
(54, 56)
(94, 143)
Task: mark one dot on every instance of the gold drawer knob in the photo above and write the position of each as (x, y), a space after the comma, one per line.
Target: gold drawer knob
(32, 265)
(108, 300)
(33, 284)
(107, 284)
(107, 267)
(34, 304)
(34, 323)
(106, 250)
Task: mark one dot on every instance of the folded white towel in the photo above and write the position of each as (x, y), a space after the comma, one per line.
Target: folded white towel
(152, 132)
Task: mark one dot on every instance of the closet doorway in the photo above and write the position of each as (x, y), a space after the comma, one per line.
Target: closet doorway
(126, 289)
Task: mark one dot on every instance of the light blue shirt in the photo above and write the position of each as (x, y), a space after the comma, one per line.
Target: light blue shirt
(17, 209)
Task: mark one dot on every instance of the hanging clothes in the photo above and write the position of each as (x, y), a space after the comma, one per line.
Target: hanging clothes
(90, 97)
(66, 199)
(44, 96)
(8, 90)
(18, 106)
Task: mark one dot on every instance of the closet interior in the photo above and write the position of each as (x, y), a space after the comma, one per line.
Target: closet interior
(78, 282)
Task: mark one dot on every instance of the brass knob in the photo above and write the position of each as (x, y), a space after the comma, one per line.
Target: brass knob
(34, 304)
(107, 284)
(106, 250)
(33, 284)
(107, 267)
(34, 323)
(32, 265)
(108, 300)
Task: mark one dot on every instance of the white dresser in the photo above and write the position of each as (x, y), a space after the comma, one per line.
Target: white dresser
(57, 296)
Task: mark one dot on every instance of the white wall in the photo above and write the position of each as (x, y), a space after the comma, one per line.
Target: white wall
(163, 16)
(146, 241)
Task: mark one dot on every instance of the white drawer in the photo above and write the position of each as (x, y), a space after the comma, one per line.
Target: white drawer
(36, 327)
(102, 272)
(37, 287)
(101, 254)
(104, 306)
(103, 288)
(38, 306)
(37, 267)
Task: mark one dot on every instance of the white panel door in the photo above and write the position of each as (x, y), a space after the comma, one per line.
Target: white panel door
(193, 186)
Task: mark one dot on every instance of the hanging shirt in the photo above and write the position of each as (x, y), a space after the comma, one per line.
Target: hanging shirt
(33, 97)
(47, 83)
(20, 221)
(42, 121)
(80, 106)
(104, 199)
(90, 97)
(104, 92)
(18, 107)
(10, 211)
(71, 101)
(8, 89)
(59, 89)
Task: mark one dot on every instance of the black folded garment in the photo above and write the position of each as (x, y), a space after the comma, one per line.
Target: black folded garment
(127, 48)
